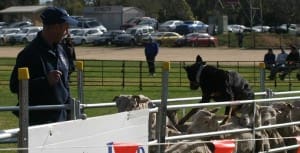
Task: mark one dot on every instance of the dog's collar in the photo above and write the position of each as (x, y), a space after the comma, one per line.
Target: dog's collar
(199, 73)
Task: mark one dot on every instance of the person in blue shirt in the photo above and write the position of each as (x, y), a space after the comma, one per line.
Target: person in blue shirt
(151, 51)
(48, 68)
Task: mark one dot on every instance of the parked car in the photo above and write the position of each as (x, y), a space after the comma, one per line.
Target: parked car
(191, 26)
(149, 22)
(90, 23)
(86, 36)
(133, 36)
(139, 21)
(298, 30)
(236, 28)
(284, 28)
(73, 31)
(20, 24)
(25, 35)
(164, 38)
(6, 33)
(261, 28)
(197, 39)
(3, 25)
(107, 37)
(169, 25)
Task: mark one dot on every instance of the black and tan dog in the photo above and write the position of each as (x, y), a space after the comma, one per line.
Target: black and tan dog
(216, 84)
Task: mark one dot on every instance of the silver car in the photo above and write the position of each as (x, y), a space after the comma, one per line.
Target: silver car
(85, 36)
(6, 34)
(26, 34)
(169, 25)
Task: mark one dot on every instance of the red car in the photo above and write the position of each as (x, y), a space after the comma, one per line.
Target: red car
(198, 39)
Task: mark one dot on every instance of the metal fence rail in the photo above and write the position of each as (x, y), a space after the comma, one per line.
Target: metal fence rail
(105, 73)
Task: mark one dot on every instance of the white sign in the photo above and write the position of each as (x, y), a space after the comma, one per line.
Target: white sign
(91, 135)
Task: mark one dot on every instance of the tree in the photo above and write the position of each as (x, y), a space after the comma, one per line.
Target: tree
(175, 9)
(7, 3)
(281, 11)
(72, 7)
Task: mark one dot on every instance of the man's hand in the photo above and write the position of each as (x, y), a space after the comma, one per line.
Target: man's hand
(54, 76)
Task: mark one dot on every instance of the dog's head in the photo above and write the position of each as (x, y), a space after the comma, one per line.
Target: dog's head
(193, 72)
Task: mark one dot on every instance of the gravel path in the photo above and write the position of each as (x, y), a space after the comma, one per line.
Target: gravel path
(165, 54)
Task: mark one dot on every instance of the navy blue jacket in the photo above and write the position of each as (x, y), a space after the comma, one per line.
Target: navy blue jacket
(40, 58)
(151, 49)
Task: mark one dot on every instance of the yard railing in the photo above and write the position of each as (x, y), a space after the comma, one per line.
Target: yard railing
(134, 74)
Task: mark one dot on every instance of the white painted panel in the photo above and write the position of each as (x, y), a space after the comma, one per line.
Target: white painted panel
(90, 135)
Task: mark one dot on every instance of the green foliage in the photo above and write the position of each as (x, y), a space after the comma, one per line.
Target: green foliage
(72, 7)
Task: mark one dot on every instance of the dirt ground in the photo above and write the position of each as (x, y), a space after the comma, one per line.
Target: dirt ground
(165, 54)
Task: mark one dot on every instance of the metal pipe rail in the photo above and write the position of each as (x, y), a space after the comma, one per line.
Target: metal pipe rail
(112, 104)
(209, 134)
(173, 107)
(40, 107)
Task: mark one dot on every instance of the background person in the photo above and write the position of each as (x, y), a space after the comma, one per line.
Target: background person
(291, 61)
(48, 67)
(269, 59)
(151, 50)
(280, 64)
(240, 36)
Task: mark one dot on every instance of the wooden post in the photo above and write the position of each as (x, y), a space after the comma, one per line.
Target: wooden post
(79, 66)
(262, 76)
(162, 112)
(23, 76)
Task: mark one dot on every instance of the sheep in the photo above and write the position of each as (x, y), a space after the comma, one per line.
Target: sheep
(284, 115)
(244, 143)
(205, 121)
(188, 146)
(268, 117)
(243, 118)
(137, 102)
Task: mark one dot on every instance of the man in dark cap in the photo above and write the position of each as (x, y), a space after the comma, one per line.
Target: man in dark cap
(48, 67)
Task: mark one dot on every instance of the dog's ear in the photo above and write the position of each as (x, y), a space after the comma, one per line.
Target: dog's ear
(115, 98)
(198, 59)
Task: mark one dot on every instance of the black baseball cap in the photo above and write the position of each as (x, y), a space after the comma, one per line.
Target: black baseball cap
(55, 15)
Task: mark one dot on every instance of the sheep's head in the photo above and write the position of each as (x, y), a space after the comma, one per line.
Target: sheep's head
(203, 121)
(268, 115)
(125, 103)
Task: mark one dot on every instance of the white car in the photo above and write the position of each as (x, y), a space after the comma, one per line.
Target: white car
(26, 34)
(73, 31)
(169, 25)
(261, 28)
(236, 28)
(91, 23)
(6, 33)
(86, 36)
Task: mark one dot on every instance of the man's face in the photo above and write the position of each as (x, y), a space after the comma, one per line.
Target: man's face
(61, 31)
